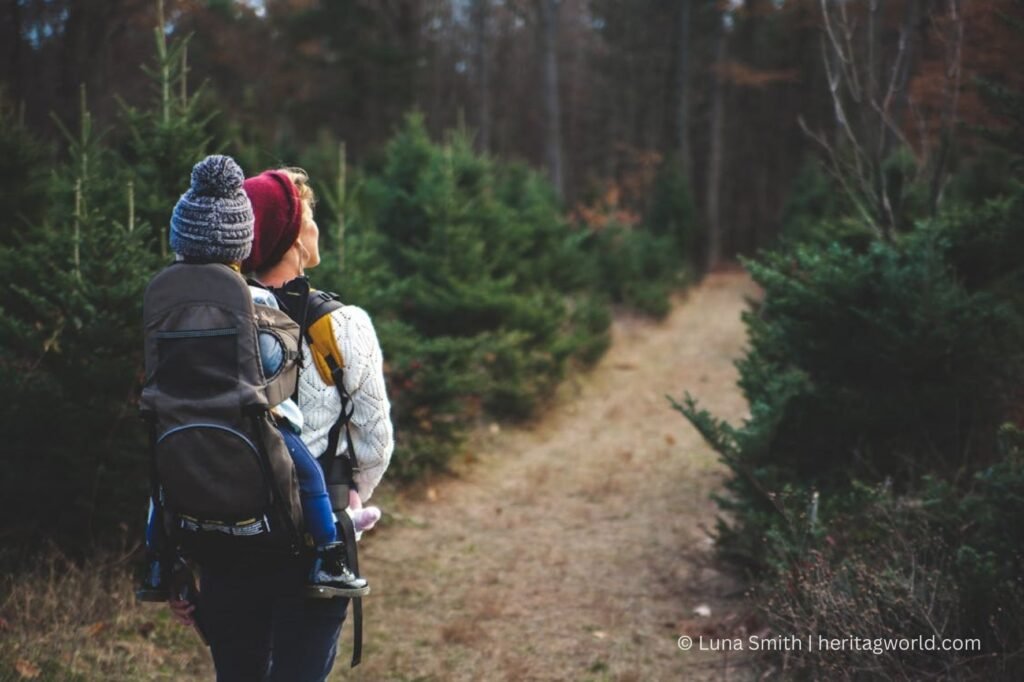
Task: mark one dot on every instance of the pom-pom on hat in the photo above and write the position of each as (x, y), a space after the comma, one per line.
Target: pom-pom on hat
(278, 210)
(213, 220)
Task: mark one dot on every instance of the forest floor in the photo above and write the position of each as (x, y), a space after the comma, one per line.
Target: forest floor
(573, 547)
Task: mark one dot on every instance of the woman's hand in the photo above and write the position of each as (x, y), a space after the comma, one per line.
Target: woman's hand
(182, 611)
(354, 501)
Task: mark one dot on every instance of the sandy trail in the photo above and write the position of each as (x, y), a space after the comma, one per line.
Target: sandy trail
(572, 548)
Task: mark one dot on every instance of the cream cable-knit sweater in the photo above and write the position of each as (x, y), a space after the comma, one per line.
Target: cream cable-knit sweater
(372, 435)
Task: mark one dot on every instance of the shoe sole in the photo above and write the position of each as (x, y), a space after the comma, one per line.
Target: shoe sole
(318, 592)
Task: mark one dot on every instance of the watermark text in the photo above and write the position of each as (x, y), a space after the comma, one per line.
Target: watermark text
(810, 643)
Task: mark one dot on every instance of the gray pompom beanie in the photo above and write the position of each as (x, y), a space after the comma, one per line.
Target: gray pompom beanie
(213, 220)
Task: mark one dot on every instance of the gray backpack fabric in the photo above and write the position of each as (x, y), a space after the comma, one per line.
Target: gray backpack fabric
(221, 471)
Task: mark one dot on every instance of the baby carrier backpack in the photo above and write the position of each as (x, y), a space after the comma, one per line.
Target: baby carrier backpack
(220, 470)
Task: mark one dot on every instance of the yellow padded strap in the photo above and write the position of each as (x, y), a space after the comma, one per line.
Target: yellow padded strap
(323, 345)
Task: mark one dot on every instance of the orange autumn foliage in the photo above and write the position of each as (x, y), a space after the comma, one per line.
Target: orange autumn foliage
(992, 49)
(744, 75)
(621, 201)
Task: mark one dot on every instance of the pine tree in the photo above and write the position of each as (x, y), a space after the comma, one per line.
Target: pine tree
(474, 281)
(70, 348)
(70, 325)
(166, 139)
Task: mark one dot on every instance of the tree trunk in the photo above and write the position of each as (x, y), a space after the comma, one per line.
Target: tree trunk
(483, 73)
(715, 154)
(954, 58)
(17, 93)
(683, 88)
(434, 122)
(410, 24)
(552, 108)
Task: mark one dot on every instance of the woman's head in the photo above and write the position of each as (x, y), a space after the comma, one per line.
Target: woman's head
(285, 233)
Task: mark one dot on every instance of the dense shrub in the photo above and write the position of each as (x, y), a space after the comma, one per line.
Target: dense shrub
(982, 520)
(636, 268)
(76, 458)
(944, 563)
(70, 356)
(672, 213)
(869, 493)
(878, 574)
(892, 362)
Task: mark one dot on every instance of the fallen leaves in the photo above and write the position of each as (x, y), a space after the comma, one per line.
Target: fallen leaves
(27, 669)
(96, 629)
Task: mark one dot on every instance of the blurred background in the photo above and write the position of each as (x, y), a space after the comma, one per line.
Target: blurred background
(599, 93)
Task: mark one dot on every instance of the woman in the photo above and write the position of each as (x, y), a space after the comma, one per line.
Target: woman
(255, 616)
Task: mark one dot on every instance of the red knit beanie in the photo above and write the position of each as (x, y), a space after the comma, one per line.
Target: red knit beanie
(278, 210)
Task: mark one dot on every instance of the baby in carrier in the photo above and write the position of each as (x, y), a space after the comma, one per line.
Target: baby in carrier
(213, 223)
(316, 507)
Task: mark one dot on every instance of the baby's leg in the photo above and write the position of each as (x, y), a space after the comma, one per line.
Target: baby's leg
(316, 505)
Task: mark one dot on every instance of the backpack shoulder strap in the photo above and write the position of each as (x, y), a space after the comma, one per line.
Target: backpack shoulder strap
(330, 364)
(312, 310)
(319, 331)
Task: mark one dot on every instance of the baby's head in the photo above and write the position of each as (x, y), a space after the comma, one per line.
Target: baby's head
(213, 220)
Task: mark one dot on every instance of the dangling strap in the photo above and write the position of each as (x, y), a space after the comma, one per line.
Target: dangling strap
(338, 470)
(345, 472)
(348, 533)
(154, 487)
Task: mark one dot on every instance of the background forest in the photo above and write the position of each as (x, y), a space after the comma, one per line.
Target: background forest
(495, 179)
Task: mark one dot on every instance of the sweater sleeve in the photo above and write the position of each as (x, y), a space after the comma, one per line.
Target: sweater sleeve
(372, 433)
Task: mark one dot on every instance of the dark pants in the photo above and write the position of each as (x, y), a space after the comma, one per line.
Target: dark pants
(261, 628)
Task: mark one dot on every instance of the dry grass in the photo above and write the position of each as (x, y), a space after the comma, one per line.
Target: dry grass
(66, 621)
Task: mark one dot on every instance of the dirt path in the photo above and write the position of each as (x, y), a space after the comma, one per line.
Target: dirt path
(572, 549)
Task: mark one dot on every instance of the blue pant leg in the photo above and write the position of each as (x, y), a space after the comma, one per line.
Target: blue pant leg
(306, 633)
(260, 626)
(316, 504)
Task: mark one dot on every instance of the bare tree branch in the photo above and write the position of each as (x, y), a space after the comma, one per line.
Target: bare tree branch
(869, 106)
